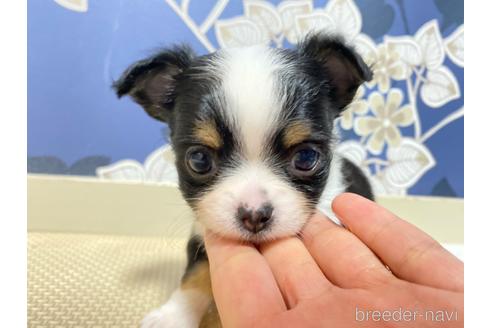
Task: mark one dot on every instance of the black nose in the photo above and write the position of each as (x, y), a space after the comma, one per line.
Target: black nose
(255, 220)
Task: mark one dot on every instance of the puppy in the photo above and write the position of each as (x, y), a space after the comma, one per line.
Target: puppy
(253, 133)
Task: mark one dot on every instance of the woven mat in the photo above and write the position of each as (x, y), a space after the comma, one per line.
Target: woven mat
(83, 280)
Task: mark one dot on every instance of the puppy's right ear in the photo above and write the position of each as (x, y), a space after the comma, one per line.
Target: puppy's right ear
(151, 82)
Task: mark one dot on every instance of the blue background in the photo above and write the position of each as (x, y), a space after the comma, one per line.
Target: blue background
(76, 123)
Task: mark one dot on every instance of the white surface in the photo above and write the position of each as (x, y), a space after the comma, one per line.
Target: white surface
(457, 250)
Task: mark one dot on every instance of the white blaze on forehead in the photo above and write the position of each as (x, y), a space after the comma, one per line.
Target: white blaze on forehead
(251, 100)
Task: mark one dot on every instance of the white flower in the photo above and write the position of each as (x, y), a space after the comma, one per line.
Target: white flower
(340, 17)
(75, 5)
(262, 23)
(358, 106)
(291, 19)
(386, 65)
(383, 126)
(455, 46)
(382, 188)
(158, 168)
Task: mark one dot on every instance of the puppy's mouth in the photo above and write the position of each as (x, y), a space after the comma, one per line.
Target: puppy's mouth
(259, 230)
(252, 238)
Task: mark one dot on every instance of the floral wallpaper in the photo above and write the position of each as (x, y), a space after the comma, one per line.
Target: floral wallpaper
(405, 127)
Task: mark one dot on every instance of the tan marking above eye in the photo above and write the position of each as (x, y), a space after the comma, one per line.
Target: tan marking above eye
(295, 133)
(206, 132)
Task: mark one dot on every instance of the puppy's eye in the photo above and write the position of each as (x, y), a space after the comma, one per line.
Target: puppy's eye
(305, 159)
(199, 160)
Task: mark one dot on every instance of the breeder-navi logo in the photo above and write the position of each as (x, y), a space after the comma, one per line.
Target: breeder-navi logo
(405, 315)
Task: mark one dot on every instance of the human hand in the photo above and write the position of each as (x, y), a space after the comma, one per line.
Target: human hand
(332, 276)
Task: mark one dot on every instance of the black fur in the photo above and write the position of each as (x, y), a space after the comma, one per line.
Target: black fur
(344, 69)
(355, 180)
(195, 251)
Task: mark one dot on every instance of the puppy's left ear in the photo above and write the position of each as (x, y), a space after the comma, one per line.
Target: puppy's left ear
(341, 64)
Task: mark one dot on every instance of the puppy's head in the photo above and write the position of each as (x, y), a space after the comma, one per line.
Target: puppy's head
(251, 128)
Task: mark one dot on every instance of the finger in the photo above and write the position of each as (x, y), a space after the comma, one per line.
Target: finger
(344, 259)
(243, 285)
(295, 270)
(409, 252)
